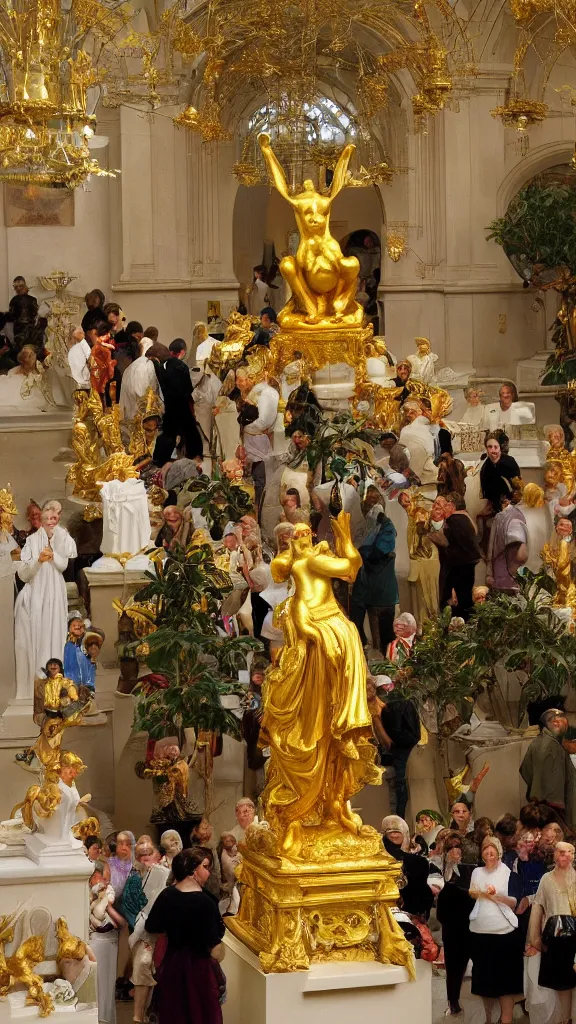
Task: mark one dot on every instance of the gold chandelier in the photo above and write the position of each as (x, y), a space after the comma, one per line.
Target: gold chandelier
(309, 43)
(49, 55)
(310, 49)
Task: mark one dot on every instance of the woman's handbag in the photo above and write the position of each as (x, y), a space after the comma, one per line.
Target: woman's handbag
(559, 926)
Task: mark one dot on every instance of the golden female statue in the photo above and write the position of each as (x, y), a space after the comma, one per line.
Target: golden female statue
(560, 456)
(323, 281)
(558, 557)
(316, 719)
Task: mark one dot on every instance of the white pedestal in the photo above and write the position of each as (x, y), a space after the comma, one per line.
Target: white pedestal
(17, 723)
(55, 882)
(104, 587)
(332, 993)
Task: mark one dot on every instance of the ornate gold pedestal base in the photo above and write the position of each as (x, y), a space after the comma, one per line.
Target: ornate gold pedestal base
(322, 345)
(293, 915)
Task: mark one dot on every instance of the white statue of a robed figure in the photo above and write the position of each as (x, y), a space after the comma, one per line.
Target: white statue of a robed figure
(41, 608)
(126, 526)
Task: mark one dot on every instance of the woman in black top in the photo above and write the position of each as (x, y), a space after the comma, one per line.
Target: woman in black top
(417, 897)
(498, 470)
(189, 976)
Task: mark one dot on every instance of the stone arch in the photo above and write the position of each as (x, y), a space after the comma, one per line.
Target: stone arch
(539, 159)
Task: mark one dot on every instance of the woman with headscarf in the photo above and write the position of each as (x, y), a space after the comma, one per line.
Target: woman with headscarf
(552, 928)
(428, 825)
(417, 897)
(497, 965)
(170, 844)
(453, 910)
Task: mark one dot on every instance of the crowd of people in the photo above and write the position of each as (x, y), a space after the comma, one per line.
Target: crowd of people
(499, 900)
(476, 890)
(168, 902)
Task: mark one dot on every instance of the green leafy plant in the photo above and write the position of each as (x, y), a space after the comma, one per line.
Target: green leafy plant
(538, 234)
(219, 500)
(519, 633)
(339, 441)
(190, 648)
(523, 634)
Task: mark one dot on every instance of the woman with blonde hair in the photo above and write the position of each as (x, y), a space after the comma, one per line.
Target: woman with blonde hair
(552, 928)
(538, 523)
(497, 965)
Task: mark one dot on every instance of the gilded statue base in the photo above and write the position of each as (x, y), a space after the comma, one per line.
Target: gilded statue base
(293, 914)
(322, 345)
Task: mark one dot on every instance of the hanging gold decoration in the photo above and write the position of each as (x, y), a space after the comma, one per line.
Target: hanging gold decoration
(304, 42)
(45, 125)
(521, 113)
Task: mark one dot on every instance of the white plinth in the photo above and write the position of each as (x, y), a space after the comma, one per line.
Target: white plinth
(17, 723)
(58, 884)
(333, 993)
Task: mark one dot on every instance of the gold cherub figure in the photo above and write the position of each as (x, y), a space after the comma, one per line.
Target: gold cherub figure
(17, 969)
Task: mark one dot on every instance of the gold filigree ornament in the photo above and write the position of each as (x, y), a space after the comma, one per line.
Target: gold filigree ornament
(396, 245)
(521, 113)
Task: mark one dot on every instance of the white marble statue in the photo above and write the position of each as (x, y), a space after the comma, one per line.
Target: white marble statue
(56, 828)
(41, 609)
(474, 413)
(126, 524)
(423, 361)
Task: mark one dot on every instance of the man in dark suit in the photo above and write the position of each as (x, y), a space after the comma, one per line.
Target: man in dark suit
(178, 420)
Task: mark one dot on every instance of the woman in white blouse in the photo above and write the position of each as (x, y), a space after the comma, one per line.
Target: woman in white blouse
(497, 964)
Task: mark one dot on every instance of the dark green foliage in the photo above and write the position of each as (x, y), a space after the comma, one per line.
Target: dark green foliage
(538, 234)
(200, 662)
(520, 633)
(219, 500)
(337, 442)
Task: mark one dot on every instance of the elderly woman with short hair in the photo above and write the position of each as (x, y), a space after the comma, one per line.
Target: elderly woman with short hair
(497, 964)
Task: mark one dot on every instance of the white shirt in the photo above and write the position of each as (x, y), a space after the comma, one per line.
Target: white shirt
(78, 357)
(495, 416)
(136, 379)
(488, 918)
(419, 430)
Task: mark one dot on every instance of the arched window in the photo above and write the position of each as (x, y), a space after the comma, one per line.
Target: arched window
(326, 121)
